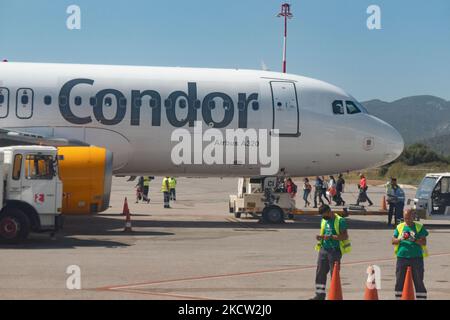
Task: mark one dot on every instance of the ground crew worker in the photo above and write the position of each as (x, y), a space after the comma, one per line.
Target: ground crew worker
(410, 240)
(396, 200)
(165, 188)
(172, 187)
(332, 244)
(146, 189)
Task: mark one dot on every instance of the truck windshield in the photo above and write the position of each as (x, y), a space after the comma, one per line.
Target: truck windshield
(39, 167)
(426, 188)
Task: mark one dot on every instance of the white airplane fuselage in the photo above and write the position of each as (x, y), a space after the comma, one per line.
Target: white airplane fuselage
(133, 111)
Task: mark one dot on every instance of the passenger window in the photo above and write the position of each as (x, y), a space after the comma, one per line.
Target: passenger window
(352, 108)
(152, 103)
(2, 98)
(25, 99)
(183, 104)
(338, 107)
(255, 106)
(17, 169)
(138, 102)
(108, 102)
(39, 167)
(123, 102)
(48, 100)
(78, 101)
(93, 101)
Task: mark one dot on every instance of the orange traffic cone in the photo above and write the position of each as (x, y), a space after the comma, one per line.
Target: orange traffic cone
(408, 287)
(383, 204)
(126, 209)
(335, 292)
(371, 292)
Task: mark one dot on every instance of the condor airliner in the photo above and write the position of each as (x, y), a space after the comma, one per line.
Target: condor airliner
(131, 113)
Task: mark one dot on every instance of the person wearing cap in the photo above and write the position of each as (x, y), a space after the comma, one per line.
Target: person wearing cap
(333, 242)
(396, 200)
(410, 241)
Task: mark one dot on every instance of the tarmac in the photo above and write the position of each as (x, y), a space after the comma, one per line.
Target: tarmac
(197, 250)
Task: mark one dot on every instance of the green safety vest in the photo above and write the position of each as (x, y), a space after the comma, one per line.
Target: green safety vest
(146, 182)
(345, 245)
(172, 183)
(165, 185)
(400, 228)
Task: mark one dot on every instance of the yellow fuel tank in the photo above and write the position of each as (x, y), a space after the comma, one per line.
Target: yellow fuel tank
(86, 174)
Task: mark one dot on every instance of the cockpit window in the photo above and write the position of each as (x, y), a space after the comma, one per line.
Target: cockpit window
(352, 108)
(338, 107)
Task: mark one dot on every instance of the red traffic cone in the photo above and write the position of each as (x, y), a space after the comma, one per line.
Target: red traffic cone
(335, 292)
(408, 287)
(383, 204)
(371, 292)
(126, 209)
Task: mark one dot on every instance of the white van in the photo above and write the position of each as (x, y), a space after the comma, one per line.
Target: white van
(432, 199)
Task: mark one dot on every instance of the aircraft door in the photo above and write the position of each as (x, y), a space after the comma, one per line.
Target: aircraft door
(4, 103)
(24, 103)
(285, 108)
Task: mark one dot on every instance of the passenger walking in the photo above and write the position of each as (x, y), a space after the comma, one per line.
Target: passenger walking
(410, 240)
(340, 185)
(291, 188)
(306, 191)
(333, 242)
(332, 189)
(362, 186)
(396, 200)
(173, 186)
(165, 189)
(318, 184)
(325, 189)
(140, 189)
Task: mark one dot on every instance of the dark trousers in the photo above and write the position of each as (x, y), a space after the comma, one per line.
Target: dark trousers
(306, 193)
(324, 194)
(166, 200)
(338, 198)
(417, 267)
(173, 194)
(363, 197)
(325, 265)
(317, 194)
(145, 193)
(396, 211)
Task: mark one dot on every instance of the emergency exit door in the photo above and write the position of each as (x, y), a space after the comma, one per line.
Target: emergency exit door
(285, 108)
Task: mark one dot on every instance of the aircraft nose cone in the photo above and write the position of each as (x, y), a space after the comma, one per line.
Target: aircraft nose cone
(394, 144)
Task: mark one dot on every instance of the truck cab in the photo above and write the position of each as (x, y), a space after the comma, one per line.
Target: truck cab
(432, 200)
(31, 192)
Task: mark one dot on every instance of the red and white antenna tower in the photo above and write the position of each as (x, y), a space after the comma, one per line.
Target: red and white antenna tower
(286, 13)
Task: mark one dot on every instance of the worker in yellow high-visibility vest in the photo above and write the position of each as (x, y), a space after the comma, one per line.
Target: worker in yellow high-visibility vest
(333, 243)
(410, 241)
(165, 188)
(172, 187)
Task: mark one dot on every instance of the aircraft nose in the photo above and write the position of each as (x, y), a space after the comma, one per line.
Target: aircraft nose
(393, 142)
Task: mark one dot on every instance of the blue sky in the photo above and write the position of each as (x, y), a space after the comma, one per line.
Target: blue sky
(328, 40)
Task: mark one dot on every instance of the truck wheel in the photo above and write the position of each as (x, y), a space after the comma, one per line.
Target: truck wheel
(237, 215)
(14, 226)
(273, 215)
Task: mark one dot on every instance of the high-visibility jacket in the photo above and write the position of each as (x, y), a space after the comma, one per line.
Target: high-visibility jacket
(146, 181)
(345, 245)
(172, 183)
(165, 185)
(400, 228)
